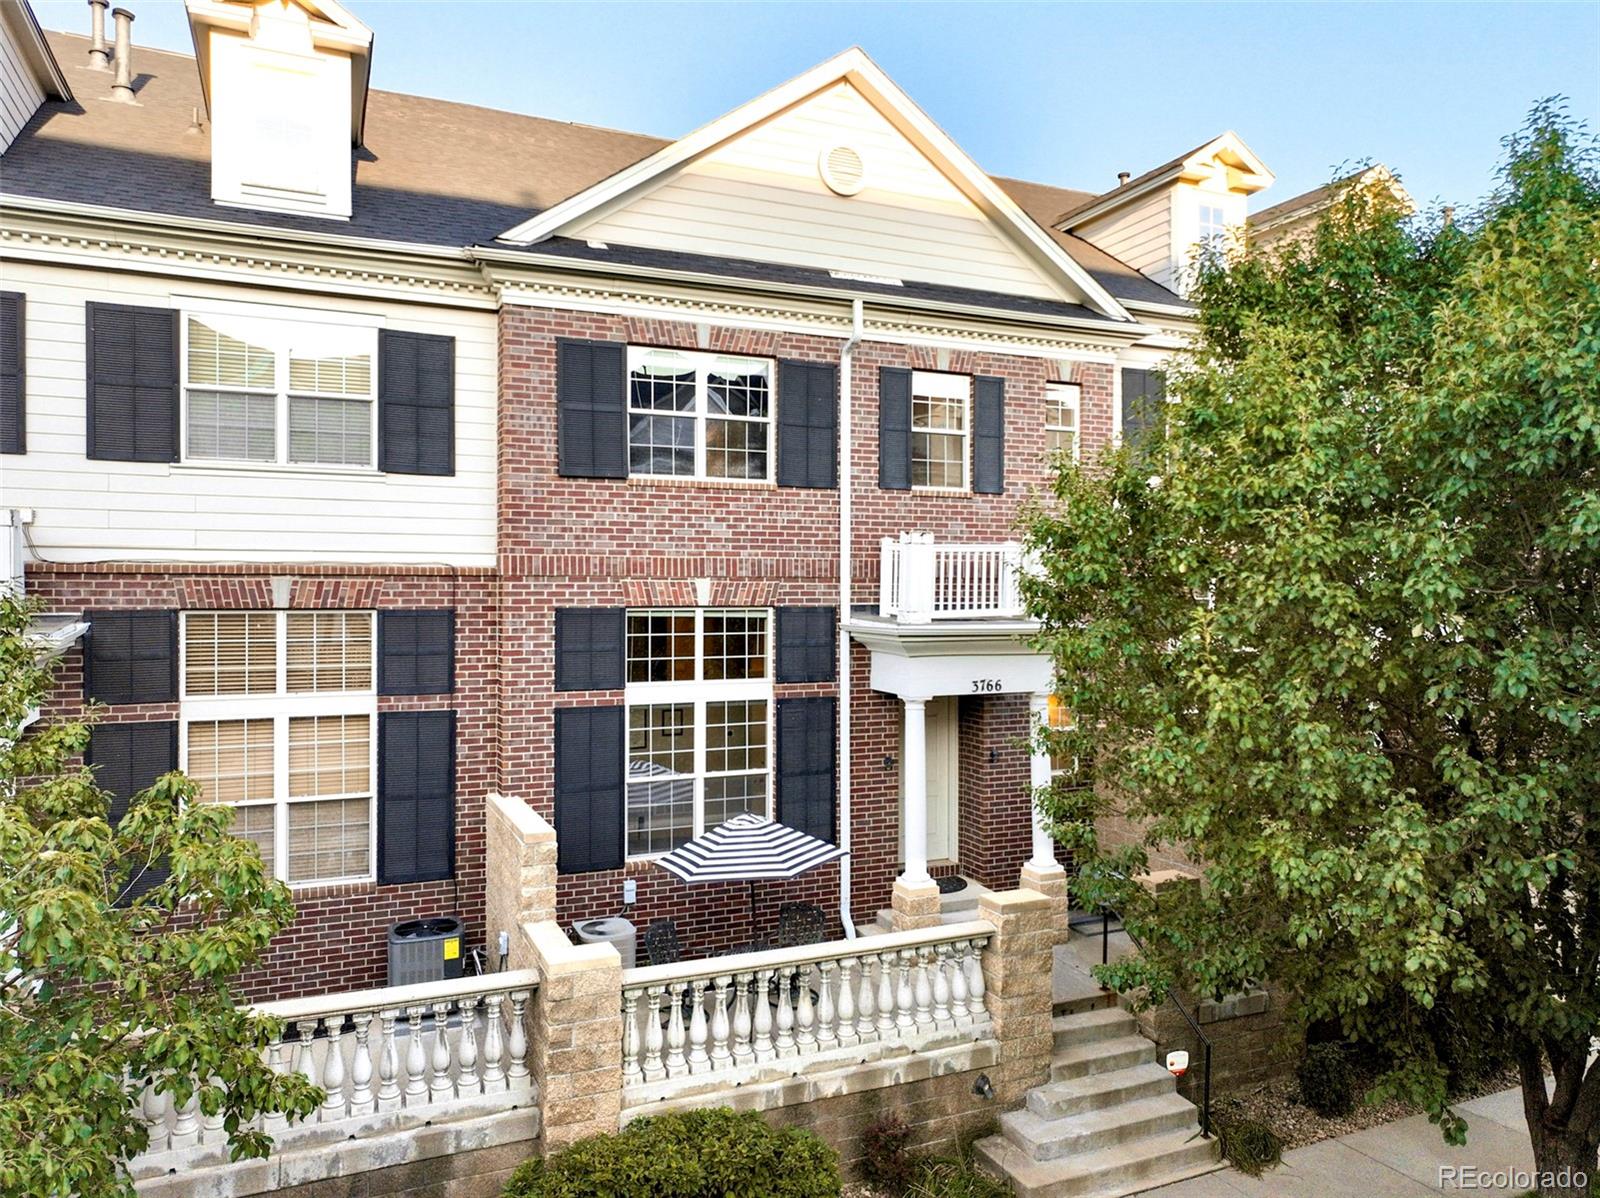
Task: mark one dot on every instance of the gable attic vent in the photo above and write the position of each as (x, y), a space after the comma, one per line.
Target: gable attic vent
(842, 169)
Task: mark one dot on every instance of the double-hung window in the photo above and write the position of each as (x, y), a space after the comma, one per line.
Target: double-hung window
(1061, 419)
(279, 720)
(941, 406)
(278, 392)
(1213, 224)
(699, 696)
(694, 415)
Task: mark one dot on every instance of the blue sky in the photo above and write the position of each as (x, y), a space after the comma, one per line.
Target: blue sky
(1059, 93)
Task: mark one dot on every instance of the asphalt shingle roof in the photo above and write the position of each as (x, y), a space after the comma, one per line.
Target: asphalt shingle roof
(431, 172)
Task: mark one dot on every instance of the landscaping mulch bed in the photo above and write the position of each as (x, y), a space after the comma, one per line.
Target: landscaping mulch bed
(1277, 1104)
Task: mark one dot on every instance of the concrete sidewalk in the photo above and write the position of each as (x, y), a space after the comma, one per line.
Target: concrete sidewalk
(1403, 1159)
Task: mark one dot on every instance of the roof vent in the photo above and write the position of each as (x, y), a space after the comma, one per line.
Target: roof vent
(1122, 178)
(99, 53)
(842, 169)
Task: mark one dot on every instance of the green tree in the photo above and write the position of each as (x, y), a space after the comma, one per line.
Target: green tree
(103, 993)
(1335, 626)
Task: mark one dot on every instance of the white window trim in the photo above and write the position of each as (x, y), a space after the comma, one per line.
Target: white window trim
(948, 386)
(696, 693)
(281, 706)
(701, 413)
(1075, 390)
(287, 320)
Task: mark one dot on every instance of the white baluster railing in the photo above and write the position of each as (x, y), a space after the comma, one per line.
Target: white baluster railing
(391, 1057)
(921, 580)
(724, 1020)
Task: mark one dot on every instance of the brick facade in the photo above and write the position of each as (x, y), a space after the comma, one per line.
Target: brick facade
(592, 542)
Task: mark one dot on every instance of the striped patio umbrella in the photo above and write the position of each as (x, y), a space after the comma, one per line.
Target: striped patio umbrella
(748, 848)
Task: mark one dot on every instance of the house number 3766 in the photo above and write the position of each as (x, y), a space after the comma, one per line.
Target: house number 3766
(985, 685)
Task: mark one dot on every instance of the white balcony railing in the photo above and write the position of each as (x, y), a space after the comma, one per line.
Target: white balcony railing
(731, 1020)
(401, 1056)
(921, 580)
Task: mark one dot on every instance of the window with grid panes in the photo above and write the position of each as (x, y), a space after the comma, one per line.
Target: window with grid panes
(279, 720)
(278, 392)
(695, 415)
(940, 410)
(1061, 419)
(699, 696)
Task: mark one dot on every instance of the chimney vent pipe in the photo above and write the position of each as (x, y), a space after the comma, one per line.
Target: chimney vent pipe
(122, 85)
(1122, 178)
(99, 55)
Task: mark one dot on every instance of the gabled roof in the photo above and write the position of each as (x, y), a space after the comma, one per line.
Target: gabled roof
(1249, 174)
(856, 68)
(17, 15)
(333, 27)
(1318, 199)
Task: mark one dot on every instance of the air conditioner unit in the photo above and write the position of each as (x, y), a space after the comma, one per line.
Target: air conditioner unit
(424, 950)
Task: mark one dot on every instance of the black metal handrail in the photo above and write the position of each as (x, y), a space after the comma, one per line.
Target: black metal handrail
(1205, 1041)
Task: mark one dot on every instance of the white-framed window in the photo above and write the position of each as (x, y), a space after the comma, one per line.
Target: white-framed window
(1061, 405)
(697, 415)
(279, 719)
(278, 392)
(941, 416)
(1213, 223)
(699, 697)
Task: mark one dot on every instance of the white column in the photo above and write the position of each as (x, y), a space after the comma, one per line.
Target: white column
(915, 769)
(1044, 848)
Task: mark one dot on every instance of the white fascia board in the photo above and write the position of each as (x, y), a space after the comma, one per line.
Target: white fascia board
(854, 66)
(19, 18)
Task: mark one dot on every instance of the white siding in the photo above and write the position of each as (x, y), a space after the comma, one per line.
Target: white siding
(1140, 234)
(760, 196)
(20, 93)
(135, 511)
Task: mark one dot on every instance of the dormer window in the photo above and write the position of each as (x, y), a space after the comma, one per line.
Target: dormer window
(285, 85)
(1213, 224)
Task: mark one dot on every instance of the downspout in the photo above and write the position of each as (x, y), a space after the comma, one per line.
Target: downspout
(846, 423)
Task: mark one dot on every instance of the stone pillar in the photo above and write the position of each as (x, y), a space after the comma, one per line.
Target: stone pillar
(520, 876)
(1017, 969)
(915, 902)
(1041, 871)
(575, 1035)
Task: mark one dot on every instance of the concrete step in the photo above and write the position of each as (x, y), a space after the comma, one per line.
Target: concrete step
(1127, 1168)
(1142, 1119)
(1097, 1023)
(1077, 1004)
(1096, 1091)
(1101, 1056)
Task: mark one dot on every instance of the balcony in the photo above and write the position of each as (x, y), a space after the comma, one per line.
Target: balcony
(922, 581)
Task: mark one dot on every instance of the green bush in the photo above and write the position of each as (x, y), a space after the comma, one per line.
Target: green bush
(1249, 1145)
(692, 1154)
(1327, 1082)
(955, 1177)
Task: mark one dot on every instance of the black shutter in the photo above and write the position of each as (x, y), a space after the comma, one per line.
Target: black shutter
(988, 435)
(807, 756)
(416, 652)
(894, 428)
(591, 410)
(807, 644)
(589, 648)
(126, 759)
(1143, 392)
(13, 373)
(589, 789)
(416, 796)
(416, 403)
(131, 657)
(808, 424)
(131, 372)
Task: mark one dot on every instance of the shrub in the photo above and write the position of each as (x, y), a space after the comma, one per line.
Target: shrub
(1327, 1082)
(1250, 1145)
(959, 1176)
(691, 1154)
(886, 1157)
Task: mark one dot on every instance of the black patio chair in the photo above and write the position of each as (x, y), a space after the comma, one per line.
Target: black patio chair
(800, 924)
(661, 945)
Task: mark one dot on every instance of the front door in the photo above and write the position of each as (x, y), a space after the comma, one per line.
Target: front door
(944, 774)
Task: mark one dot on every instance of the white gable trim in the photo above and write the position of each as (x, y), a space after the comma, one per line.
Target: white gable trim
(1254, 177)
(868, 78)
